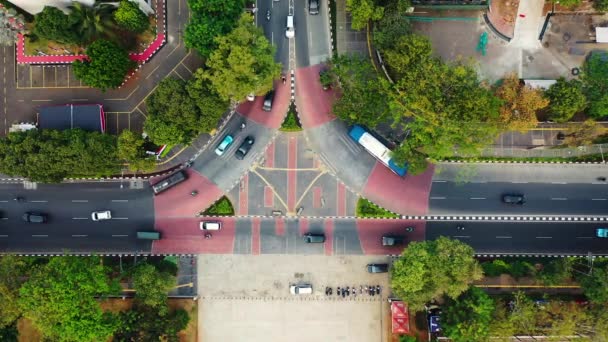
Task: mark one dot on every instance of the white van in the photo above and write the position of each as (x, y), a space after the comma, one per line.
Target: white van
(291, 31)
(300, 289)
(210, 225)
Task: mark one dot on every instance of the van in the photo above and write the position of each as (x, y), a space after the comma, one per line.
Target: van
(148, 235)
(300, 289)
(290, 32)
(210, 225)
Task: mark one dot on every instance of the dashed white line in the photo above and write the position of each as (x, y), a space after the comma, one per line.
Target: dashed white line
(559, 199)
(120, 200)
(1, 236)
(80, 218)
(38, 201)
(598, 199)
(519, 182)
(3, 201)
(439, 181)
(503, 237)
(40, 236)
(438, 198)
(120, 235)
(4, 218)
(80, 201)
(544, 237)
(584, 237)
(120, 218)
(79, 235)
(479, 182)
(478, 198)
(559, 183)
(462, 236)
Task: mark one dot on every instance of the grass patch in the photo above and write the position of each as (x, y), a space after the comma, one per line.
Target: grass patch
(332, 11)
(587, 158)
(222, 207)
(368, 209)
(166, 151)
(291, 123)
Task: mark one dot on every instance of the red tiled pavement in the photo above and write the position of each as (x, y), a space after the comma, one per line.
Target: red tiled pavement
(314, 103)
(255, 236)
(292, 164)
(407, 196)
(341, 198)
(273, 119)
(268, 197)
(269, 158)
(178, 202)
(317, 193)
(329, 236)
(279, 224)
(371, 231)
(243, 192)
(182, 235)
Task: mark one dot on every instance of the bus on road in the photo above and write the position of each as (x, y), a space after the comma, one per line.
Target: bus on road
(168, 182)
(376, 149)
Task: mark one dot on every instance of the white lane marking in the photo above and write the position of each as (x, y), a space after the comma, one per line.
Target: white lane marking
(80, 218)
(438, 198)
(3, 201)
(38, 201)
(599, 183)
(120, 235)
(503, 237)
(79, 235)
(3, 235)
(462, 236)
(120, 218)
(598, 199)
(584, 237)
(519, 182)
(478, 198)
(544, 237)
(120, 200)
(559, 183)
(478, 182)
(4, 218)
(40, 236)
(439, 181)
(80, 201)
(559, 199)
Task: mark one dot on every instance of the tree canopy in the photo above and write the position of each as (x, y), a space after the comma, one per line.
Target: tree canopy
(12, 270)
(363, 11)
(468, 318)
(131, 17)
(144, 323)
(92, 22)
(595, 84)
(583, 133)
(595, 285)
(173, 116)
(242, 62)
(55, 25)
(151, 286)
(131, 149)
(106, 66)
(49, 156)
(520, 104)
(208, 101)
(566, 98)
(210, 19)
(59, 299)
(430, 269)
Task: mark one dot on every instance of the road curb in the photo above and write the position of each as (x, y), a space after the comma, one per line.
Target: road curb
(514, 162)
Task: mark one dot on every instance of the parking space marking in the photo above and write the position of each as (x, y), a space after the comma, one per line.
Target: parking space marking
(268, 197)
(329, 237)
(317, 192)
(341, 198)
(178, 75)
(255, 236)
(279, 226)
(243, 193)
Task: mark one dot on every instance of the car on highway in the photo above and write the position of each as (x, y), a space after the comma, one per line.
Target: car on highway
(314, 237)
(242, 151)
(224, 144)
(268, 99)
(514, 199)
(601, 232)
(210, 225)
(101, 215)
(313, 7)
(390, 240)
(300, 289)
(33, 217)
(377, 268)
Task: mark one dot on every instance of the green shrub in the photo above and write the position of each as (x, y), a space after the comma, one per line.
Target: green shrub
(601, 5)
(520, 269)
(222, 207)
(495, 268)
(131, 17)
(291, 123)
(366, 208)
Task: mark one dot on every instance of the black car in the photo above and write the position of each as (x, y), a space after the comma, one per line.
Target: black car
(267, 107)
(377, 268)
(34, 217)
(314, 238)
(392, 240)
(313, 7)
(242, 151)
(514, 199)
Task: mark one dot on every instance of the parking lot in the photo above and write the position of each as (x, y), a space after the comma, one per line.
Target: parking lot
(249, 296)
(47, 76)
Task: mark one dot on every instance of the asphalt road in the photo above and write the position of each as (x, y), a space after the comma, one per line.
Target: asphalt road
(69, 207)
(274, 29)
(523, 237)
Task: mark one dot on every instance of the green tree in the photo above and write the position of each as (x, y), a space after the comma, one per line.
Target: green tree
(59, 299)
(91, 23)
(521, 103)
(152, 287)
(430, 269)
(129, 16)
(417, 162)
(584, 133)
(210, 19)
(468, 317)
(566, 98)
(211, 106)
(363, 11)
(390, 28)
(595, 84)
(173, 116)
(131, 149)
(556, 272)
(595, 285)
(601, 5)
(568, 3)
(501, 327)
(106, 66)
(12, 272)
(243, 62)
(53, 24)
(523, 314)
(144, 323)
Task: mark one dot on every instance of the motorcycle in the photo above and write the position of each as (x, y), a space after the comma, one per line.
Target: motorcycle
(268, 15)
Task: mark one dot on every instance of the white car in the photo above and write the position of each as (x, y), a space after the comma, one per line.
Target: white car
(101, 215)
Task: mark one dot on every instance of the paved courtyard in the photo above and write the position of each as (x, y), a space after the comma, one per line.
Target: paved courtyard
(239, 297)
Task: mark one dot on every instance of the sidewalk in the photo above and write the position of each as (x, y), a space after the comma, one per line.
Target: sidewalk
(348, 40)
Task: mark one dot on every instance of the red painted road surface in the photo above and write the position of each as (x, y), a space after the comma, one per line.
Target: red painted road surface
(303, 228)
(183, 235)
(269, 155)
(371, 231)
(243, 201)
(314, 103)
(279, 226)
(292, 164)
(178, 202)
(317, 193)
(255, 236)
(273, 119)
(268, 197)
(329, 236)
(407, 196)
(341, 198)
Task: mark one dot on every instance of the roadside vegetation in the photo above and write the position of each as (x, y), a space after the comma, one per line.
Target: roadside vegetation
(367, 209)
(291, 122)
(223, 207)
(62, 298)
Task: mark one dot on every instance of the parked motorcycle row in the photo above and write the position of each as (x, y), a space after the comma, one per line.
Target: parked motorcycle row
(348, 291)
